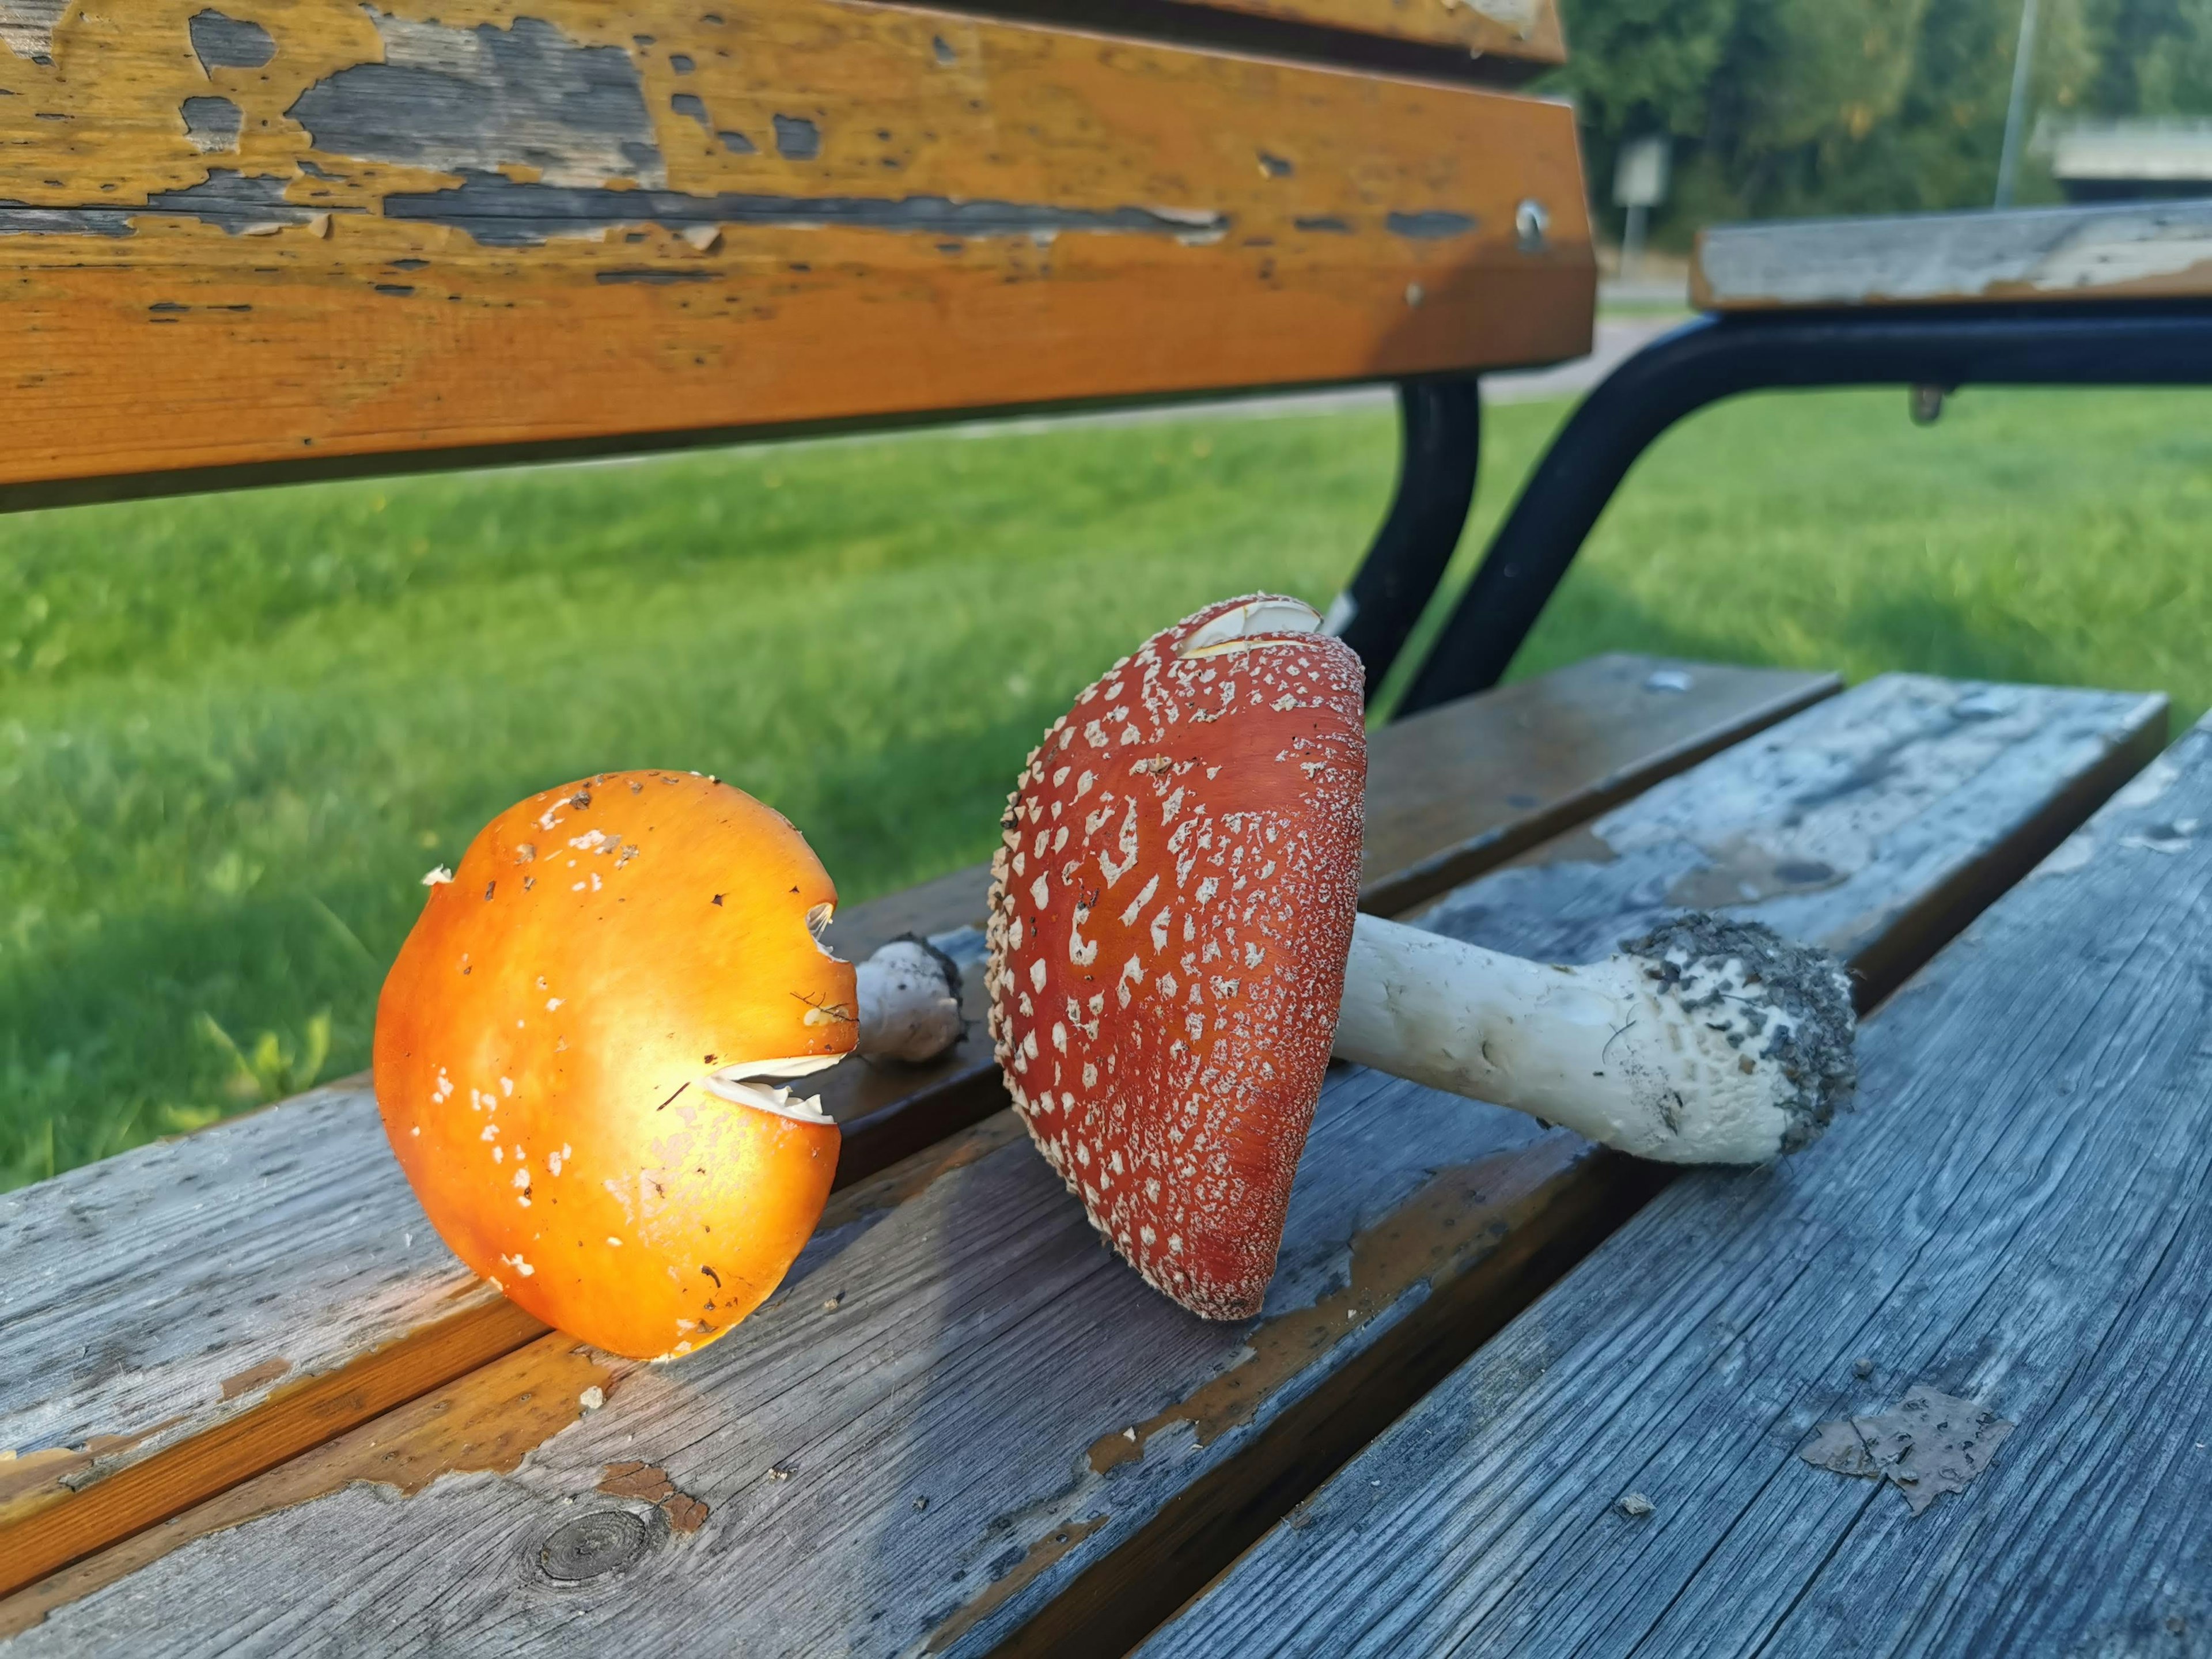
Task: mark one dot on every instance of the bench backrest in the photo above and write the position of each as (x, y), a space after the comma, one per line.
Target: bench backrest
(2127, 251)
(301, 237)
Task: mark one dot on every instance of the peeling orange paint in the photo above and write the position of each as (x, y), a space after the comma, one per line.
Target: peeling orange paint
(267, 1371)
(1205, 270)
(1458, 1217)
(650, 1485)
(32, 1482)
(489, 1420)
(1042, 1554)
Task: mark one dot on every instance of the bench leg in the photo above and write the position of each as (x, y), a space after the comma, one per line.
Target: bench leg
(1716, 357)
(1440, 427)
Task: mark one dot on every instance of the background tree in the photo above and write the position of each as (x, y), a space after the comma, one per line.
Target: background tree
(1796, 106)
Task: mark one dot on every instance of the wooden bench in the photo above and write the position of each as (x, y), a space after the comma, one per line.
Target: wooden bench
(255, 1404)
(1936, 1386)
(2018, 1216)
(1087, 1454)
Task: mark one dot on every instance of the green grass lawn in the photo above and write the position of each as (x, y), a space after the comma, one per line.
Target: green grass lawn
(237, 729)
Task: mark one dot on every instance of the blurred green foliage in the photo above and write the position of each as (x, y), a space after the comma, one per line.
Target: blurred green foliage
(1797, 107)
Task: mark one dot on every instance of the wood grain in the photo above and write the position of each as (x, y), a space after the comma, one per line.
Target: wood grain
(1449, 797)
(2139, 250)
(340, 236)
(194, 1288)
(2020, 1213)
(1084, 1453)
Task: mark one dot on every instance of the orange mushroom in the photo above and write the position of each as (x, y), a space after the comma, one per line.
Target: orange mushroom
(574, 1051)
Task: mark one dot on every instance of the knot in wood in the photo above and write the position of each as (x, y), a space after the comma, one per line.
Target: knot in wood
(592, 1546)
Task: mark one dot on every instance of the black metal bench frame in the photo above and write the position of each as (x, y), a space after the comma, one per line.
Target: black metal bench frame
(1942, 347)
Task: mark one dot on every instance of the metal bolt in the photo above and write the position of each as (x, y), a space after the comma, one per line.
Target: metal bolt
(1532, 226)
(1927, 405)
(592, 1546)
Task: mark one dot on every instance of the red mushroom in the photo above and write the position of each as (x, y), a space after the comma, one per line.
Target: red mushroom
(579, 1048)
(1177, 950)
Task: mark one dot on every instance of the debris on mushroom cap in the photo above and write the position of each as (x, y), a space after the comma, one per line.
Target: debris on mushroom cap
(580, 1049)
(1171, 912)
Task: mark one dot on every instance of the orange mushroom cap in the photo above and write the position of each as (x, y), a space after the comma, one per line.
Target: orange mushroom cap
(546, 1042)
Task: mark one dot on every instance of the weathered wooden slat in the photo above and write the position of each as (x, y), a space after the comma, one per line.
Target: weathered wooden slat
(270, 1281)
(1526, 30)
(318, 233)
(963, 1423)
(1449, 798)
(2019, 1214)
(1498, 43)
(2141, 249)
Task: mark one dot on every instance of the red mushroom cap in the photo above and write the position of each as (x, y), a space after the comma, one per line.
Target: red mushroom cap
(1170, 919)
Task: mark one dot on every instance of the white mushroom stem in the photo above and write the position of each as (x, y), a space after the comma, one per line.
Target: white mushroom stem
(909, 998)
(909, 995)
(1708, 1042)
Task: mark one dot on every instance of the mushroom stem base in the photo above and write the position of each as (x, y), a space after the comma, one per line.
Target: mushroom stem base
(909, 998)
(1708, 1042)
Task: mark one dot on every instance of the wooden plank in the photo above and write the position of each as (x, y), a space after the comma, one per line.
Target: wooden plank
(964, 1424)
(2020, 1214)
(295, 242)
(1584, 738)
(267, 1283)
(1524, 31)
(2138, 250)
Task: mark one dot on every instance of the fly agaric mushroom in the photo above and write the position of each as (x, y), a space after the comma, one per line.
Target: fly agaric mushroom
(578, 1051)
(1176, 950)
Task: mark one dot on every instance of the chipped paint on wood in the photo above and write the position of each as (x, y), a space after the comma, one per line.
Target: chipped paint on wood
(27, 27)
(1454, 1222)
(487, 1423)
(114, 1494)
(651, 1485)
(474, 100)
(220, 42)
(874, 213)
(38, 1479)
(1046, 1552)
(254, 1375)
(498, 211)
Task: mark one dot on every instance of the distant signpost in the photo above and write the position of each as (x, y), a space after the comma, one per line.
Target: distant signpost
(1639, 184)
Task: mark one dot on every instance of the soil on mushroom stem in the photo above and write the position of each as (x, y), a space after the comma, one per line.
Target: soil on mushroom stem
(234, 731)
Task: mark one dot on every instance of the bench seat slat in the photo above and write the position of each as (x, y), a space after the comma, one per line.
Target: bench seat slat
(567, 230)
(273, 1278)
(963, 1421)
(2019, 1214)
